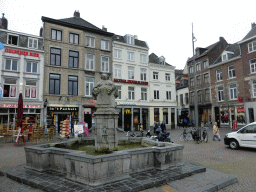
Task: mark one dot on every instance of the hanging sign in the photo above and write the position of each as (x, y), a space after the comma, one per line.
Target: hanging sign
(1, 92)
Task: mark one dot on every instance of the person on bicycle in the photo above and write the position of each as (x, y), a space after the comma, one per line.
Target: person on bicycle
(216, 132)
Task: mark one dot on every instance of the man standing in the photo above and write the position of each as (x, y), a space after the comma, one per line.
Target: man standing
(163, 127)
(216, 132)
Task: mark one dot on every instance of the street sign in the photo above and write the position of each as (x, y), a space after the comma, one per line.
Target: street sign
(1, 92)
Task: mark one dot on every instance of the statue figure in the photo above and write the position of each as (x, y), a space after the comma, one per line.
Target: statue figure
(105, 93)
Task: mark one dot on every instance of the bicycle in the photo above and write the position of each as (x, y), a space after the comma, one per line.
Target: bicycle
(197, 136)
(186, 136)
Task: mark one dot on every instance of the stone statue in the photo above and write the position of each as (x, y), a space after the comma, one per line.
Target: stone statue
(105, 93)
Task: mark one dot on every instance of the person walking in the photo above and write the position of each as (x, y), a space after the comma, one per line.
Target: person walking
(163, 127)
(216, 132)
(185, 123)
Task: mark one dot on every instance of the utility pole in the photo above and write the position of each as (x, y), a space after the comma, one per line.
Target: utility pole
(195, 92)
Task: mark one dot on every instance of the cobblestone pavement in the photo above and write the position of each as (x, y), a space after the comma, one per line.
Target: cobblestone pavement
(214, 154)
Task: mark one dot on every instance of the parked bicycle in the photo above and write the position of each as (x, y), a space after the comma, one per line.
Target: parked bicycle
(186, 136)
(198, 136)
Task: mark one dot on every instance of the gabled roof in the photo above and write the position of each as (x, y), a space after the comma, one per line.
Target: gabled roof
(153, 58)
(136, 41)
(234, 48)
(251, 33)
(79, 21)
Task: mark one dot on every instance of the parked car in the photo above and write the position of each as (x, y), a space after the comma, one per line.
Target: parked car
(244, 137)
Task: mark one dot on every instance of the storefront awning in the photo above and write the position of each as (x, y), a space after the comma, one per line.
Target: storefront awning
(88, 106)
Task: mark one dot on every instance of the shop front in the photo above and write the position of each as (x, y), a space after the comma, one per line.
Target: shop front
(89, 111)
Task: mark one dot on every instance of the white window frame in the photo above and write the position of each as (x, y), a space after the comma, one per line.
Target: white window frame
(205, 64)
(253, 65)
(130, 39)
(104, 64)
(118, 71)
(32, 66)
(198, 80)
(143, 74)
(156, 95)
(30, 87)
(119, 90)
(198, 67)
(131, 93)
(208, 78)
(167, 77)
(33, 43)
(252, 47)
(90, 63)
(11, 65)
(254, 88)
(11, 85)
(104, 45)
(219, 75)
(220, 93)
(233, 92)
(191, 70)
(231, 72)
(90, 85)
(130, 56)
(155, 75)
(143, 58)
(89, 41)
(169, 95)
(131, 72)
(117, 53)
(144, 94)
(224, 57)
(15, 36)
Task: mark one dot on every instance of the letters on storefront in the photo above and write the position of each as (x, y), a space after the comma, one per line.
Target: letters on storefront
(240, 110)
(131, 81)
(21, 52)
(63, 108)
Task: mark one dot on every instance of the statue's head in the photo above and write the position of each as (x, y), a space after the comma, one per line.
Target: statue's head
(104, 76)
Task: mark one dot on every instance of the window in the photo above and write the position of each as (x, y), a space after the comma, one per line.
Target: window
(219, 75)
(13, 39)
(168, 95)
(129, 39)
(72, 85)
(117, 53)
(155, 75)
(198, 80)
(192, 82)
(224, 57)
(130, 72)
(90, 61)
(119, 90)
(130, 56)
(231, 72)
(31, 67)
(11, 64)
(220, 94)
(32, 43)
(131, 93)
(181, 99)
(199, 97)
(105, 64)
(191, 70)
(144, 94)
(89, 84)
(54, 84)
(206, 78)
(198, 67)
(30, 89)
(143, 74)
(118, 71)
(252, 46)
(9, 88)
(56, 35)
(232, 91)
(206, 64)
(186, 98)
(167, 77)
(253, 65)
(156, 94)
(254, 88)
(73, 38)
(207, 95)
(90, 41)
(73, 59)
(192, 94)
(143, 58)
(55, 56)
(104, 44)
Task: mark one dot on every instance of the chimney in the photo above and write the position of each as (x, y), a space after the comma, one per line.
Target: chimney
(104, 28)
(3, 22)
(221, 39)
(76, 14)
(253, 25)
(41, 32)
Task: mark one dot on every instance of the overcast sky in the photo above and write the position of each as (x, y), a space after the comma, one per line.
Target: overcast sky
(166, 25)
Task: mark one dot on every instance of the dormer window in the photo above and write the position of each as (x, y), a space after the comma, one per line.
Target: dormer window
(161, 60)
(252, 46)
(13, 39)
(226, 55)
(129, 39)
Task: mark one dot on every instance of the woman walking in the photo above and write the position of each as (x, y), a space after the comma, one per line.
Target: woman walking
(216, 132)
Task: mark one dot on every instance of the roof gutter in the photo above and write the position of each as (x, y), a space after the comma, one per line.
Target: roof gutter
(243, 41)
(224, 62)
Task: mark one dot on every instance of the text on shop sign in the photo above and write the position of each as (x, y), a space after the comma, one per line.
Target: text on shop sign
(130, 81)
(62, 108)
(21, 52)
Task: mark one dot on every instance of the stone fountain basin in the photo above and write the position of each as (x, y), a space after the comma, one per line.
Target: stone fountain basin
(97, 170)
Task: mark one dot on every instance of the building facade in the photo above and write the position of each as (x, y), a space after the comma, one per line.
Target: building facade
(22, 71)
(76, 54)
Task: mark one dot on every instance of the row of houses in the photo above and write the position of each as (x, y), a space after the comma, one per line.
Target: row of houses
(57, 70)
(224, 82)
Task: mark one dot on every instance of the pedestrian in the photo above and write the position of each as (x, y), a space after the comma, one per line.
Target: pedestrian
(216, 132)
(185, 122)
(155, 126)
(163, 127)
(202, 123)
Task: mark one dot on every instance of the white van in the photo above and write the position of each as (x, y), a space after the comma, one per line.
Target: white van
(244, 137)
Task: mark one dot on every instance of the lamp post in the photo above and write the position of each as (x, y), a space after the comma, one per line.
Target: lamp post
(195, 92)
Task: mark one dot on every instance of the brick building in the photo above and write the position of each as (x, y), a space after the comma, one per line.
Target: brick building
(203, 58)
(76, 53)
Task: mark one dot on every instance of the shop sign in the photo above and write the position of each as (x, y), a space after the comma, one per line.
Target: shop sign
(124, 103)
(1, 92)
(240, 110)
(92, 101)
(62, 108)
(78, 129)
(14, 51)
(127, 111)
(131, 81)
(16, 106)
(240, 98)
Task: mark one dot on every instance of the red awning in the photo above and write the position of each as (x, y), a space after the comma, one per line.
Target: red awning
(88, 106)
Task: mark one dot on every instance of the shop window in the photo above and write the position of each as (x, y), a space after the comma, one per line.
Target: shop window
(240, 116)
(224, 117)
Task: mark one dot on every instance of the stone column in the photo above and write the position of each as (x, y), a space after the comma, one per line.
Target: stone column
(123, 118)
(132, 126)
